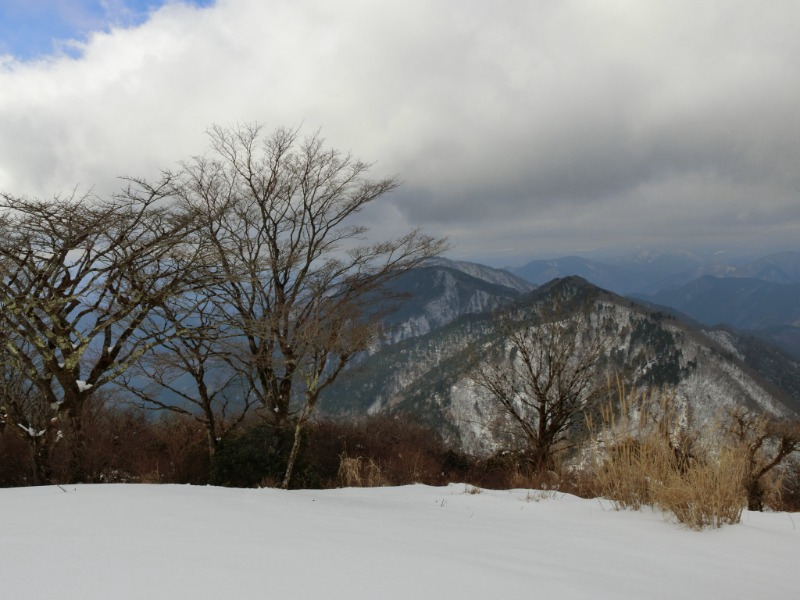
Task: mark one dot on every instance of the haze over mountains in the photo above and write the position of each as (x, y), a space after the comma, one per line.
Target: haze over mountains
(649, 272)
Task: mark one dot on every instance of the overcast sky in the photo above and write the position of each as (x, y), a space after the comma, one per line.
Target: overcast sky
(520, 128)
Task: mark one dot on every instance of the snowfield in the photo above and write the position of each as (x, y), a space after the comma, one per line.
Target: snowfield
(169, 542)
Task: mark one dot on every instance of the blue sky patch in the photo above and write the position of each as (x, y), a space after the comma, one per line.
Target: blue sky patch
(31, 29)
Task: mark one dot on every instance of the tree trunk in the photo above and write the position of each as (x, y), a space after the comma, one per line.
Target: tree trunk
(298, 439)
(298, 436)
(40, 461)
(755, 495)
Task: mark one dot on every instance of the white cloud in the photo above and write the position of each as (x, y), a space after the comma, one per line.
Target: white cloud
(574, 120)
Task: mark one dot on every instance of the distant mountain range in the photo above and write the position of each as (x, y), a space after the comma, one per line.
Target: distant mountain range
(742, 302)
(650, 272)
(760, 295)
(637, 273)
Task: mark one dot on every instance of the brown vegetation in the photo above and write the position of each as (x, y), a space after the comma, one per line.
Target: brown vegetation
(120, 445)
(704, 478)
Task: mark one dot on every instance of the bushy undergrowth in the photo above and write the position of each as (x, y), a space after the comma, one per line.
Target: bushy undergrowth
(638, 454)
(115, 445)
(125, 445)
(252, 457)
(402, 450)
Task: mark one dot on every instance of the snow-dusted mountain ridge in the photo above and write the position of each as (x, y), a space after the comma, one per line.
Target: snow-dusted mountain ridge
(440, 291)
(428, 375)
(488, 274)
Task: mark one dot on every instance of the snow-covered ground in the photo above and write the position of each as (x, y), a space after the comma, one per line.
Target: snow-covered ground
(170, 542)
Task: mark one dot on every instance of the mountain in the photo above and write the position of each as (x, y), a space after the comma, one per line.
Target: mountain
(601, 274)
(488, 274)
(429, 375)
(431, 296)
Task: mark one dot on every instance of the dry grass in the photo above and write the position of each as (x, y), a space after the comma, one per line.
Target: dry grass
(644, 460)
(634, 454)
(357, 471)
(708, 494)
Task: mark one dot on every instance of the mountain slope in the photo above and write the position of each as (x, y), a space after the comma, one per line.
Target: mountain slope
(431, 296)
(429, 375)
(773, 365)
(488, 274)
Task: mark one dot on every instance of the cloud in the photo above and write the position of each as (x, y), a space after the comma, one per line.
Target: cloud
(550, 124)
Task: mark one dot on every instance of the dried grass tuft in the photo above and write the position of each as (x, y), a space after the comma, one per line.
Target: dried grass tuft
(644, 460)
(357, 471)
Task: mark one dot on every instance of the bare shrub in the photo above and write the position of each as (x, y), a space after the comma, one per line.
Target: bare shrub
(514, 470)
(785, 493)
(116, 442)
(181, 451)
(765, 444)
(125, 445)
(350, 470)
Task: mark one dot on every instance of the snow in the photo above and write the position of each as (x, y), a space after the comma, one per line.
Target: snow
(147, 541)
(724, 339)
(31, 431)
(83, 386)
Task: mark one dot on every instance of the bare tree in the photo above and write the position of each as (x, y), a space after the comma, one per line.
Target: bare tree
(765, 443)
(196, 373)
(297, 279)
(78, 278)
(543, 372)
